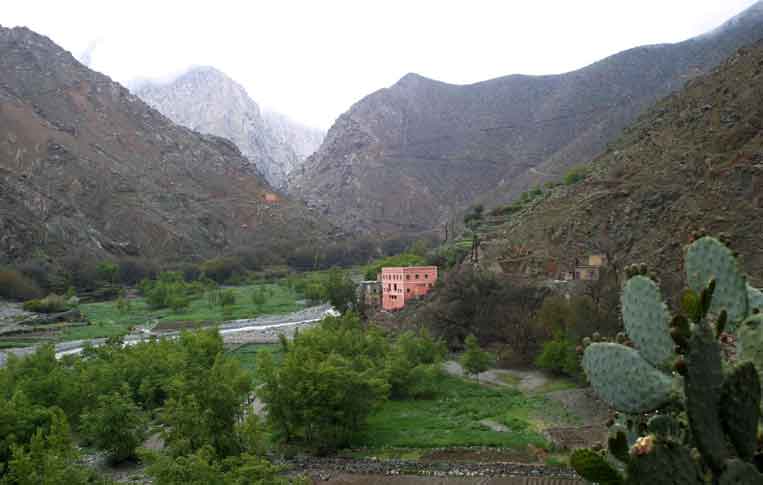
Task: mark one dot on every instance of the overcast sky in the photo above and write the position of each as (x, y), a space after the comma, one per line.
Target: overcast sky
(311, 59)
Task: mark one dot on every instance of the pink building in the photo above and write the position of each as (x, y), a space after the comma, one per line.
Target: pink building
(402, 284)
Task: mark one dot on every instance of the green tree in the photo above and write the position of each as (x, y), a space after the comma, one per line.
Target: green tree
(474, 360)
(327, 384)
(116, 424)
(340, 290)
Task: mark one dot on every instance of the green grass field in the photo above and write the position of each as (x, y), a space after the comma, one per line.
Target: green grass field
(108, 321)
(452, 419)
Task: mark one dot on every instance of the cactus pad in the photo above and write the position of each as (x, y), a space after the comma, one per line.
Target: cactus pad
(750, 342)
(647, 321)
(624, 379)
(703, 385)
(593, 467)
(707, 259)
(664, 465)
(754, 298)
(740, 409)
(740, 473)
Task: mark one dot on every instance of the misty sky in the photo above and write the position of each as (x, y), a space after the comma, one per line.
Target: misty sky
(311, 59)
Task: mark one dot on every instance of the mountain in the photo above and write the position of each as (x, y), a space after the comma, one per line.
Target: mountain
(694, 161)
(206, 100)
(406, 157)
(86, 165)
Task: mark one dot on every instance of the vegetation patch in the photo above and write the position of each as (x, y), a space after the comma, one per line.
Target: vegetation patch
(452, 419)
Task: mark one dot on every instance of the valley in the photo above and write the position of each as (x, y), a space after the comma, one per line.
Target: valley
(547, 279)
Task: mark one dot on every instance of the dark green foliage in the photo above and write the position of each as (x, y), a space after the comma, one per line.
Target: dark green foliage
(116, 424)
(49, 458)
(412, 364)
(559, 356)
(221, 270)
(593, 467)
(474, 360)
(493, 308)
(340, 290)
(16, 286)
(202, 468)
(327, 384)
(740, 409)
(134, 270)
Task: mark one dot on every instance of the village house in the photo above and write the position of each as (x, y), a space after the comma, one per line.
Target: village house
(370, 294)
(402, 284)
(588, 271)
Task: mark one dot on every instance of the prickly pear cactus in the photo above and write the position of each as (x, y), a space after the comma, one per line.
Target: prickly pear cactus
(623, 378)
(594, 467)
(647, 321)
(754, 298)
(740, 409)
(750, 342)
(663, 464)
(707, 259)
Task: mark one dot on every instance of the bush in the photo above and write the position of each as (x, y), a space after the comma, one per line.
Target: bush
(82, 271)
(134, 270)
(221, 269)
(575, 175)
(39, 272)
(116, 425)
(169, 291)
(327, 384)
(50, 304)
(413, 364)
(340, 290)
(15, 286)
(474, 360)
(559, 356)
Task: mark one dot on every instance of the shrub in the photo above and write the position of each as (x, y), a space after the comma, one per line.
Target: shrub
(340, 290)
(15, 286)
(220, 269)
(81, 270)
(474, 360)
(50, 304)
(559, 356)
(134, 270)
(227, 298)
(575, 175)
(107, 271)
(413, 364)
(39, 272)
(116, 425)
(327, 384)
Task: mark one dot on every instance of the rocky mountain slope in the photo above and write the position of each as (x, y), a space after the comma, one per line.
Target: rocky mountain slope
(86, 165)
(206, 100)
(405, 157)
(693, 161)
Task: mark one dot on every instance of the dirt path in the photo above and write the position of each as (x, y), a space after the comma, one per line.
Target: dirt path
(526, 380)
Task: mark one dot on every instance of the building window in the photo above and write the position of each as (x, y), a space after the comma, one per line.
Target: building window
(417, 276)
(430, 285)
(426, 276)
(408, 290)
(396, 286)
(407, 276)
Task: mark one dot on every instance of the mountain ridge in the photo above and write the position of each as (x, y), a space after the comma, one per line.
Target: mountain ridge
(382, 165)
(207, 100)
(86, 166)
